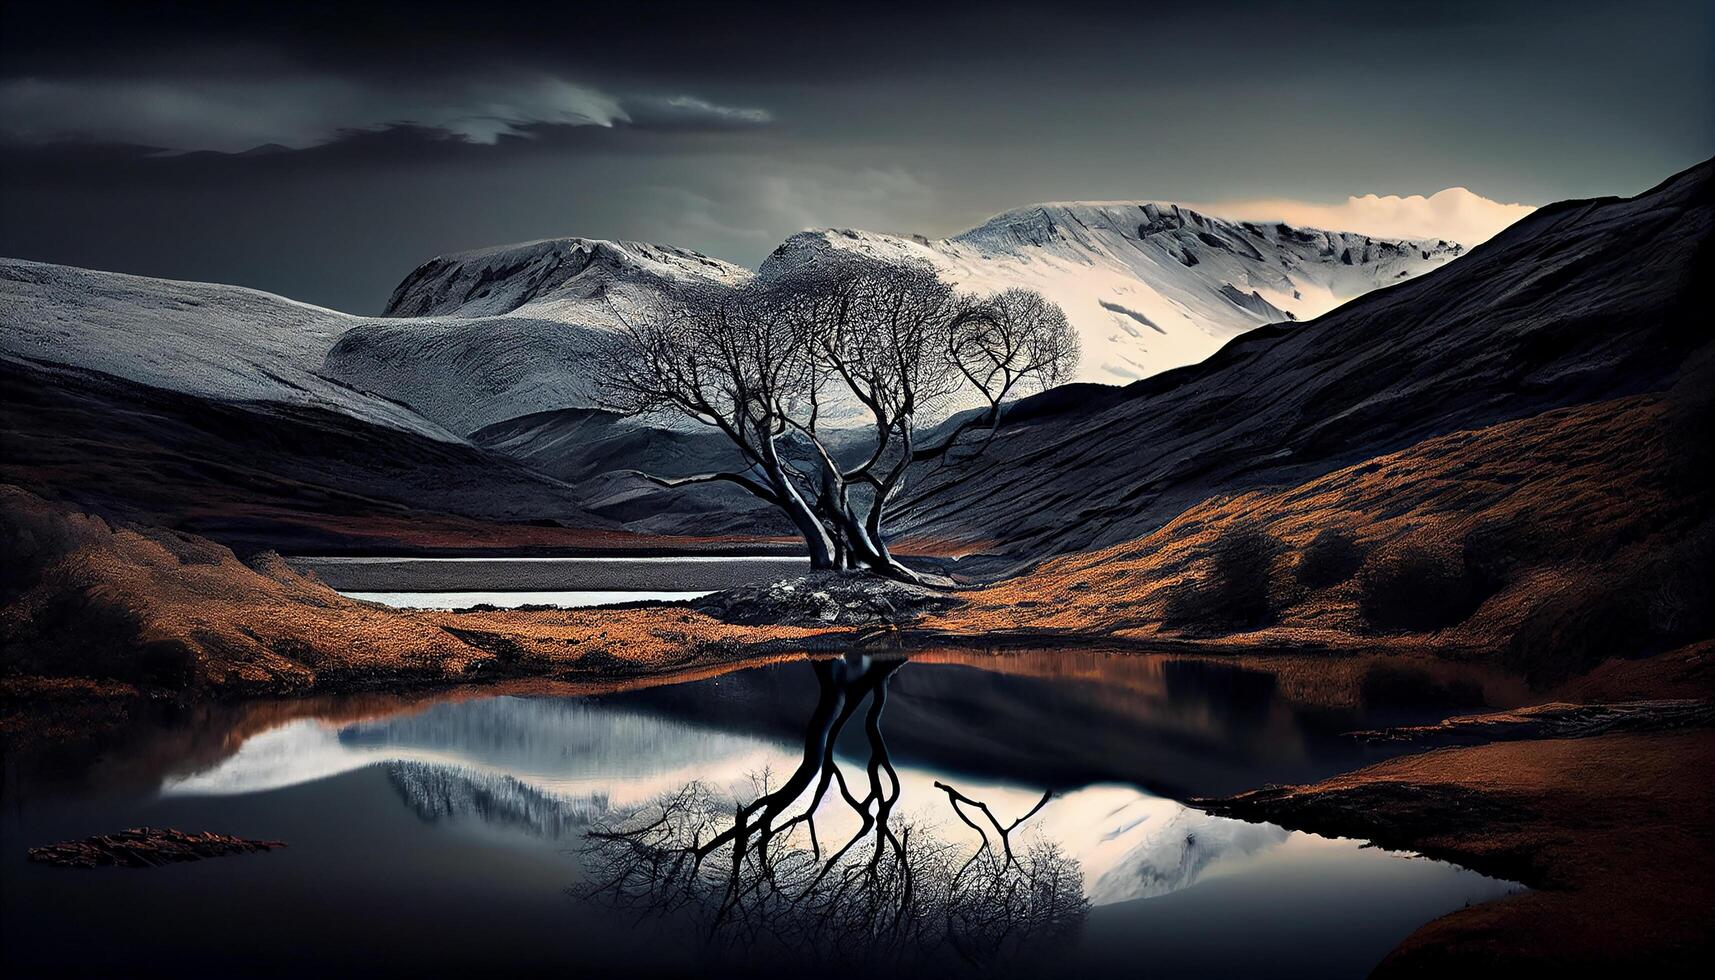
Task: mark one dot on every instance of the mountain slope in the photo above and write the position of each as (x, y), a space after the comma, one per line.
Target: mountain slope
(604, 455)
(475, 338)
(1549, 543)
(1580, 301)
(439, 376)
(258, 475)
(478, 337)
(211, 341)
(1148, 286)
(553, 275)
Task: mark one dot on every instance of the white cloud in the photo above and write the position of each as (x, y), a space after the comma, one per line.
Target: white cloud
(232, 115)
(1455, 214)
(689, 108)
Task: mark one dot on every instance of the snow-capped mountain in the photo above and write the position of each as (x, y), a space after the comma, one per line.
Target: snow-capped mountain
(496, 333)
(1148, 286)
(219, 342)
(479, 337)
(1580, 301)
(557, 277)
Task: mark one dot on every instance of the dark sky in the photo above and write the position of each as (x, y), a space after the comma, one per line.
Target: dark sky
(402, 130)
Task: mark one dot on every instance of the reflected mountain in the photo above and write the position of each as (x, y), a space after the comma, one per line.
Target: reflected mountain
(568, 739)
(1175, 851)
(438, 792)
(551, 767)
(1179, 726)
(886, 814)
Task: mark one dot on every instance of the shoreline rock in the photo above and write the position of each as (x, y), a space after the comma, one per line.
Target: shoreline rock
(826, 599)
(146, 847)
(1555, 720)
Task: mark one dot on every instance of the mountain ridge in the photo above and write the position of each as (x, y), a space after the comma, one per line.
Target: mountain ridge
(1148, 285)
(1579, 301)
(503, 278)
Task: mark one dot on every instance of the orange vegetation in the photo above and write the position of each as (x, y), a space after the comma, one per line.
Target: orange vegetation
(142, 606)
(1554, 511)
(1615, 834)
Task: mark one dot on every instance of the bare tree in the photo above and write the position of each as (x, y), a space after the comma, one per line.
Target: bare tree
(776, 364)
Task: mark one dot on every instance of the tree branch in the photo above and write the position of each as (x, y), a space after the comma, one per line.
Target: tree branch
(744, 481)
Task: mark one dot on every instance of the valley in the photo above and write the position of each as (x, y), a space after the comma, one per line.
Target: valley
(1357, 484)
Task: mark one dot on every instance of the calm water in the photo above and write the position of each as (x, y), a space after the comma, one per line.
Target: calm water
(829, 814)
(514, 599)
(677, 573)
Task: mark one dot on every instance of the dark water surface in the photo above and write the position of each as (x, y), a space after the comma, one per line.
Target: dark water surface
(551, 832)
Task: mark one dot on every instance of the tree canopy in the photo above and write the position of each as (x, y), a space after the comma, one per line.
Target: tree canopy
(780, 364)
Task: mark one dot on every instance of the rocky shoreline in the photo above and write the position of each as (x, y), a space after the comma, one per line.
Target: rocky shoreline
(1614, 834)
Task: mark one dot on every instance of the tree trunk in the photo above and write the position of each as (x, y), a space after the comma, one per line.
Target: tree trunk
(816, 540)
(823, 554)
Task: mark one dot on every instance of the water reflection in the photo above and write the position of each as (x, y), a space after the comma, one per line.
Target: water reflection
(574, 750)
(913, 814)
(437, 792)
(824, 860)
(557, 767)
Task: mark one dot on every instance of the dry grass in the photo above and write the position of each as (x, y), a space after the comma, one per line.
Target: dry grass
(1560, 541)
(1534, 517)
(160, 609)
(1616, 834)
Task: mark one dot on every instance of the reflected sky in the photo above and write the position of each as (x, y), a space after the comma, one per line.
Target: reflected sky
(453, 833)
(550, 767)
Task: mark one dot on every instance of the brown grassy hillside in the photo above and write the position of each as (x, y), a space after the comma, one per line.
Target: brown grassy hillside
(1553, 542)
(1614, 834)
(150, 608)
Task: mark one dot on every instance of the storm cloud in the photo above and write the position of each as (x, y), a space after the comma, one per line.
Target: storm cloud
(323, 149)
(235, 115)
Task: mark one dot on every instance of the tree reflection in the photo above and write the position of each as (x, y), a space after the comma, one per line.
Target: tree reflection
(826, 864)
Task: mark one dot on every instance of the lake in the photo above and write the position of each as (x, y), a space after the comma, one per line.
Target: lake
(512, 599)
(950, 814)
(460, 583)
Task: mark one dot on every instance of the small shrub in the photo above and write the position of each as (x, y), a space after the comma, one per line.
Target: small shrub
(1414, 589)
(1679, 588)
(1187, 605)
(1496, 549)
(1638, 608)
(1235, 593)
(1570, 631)
(1331, 557)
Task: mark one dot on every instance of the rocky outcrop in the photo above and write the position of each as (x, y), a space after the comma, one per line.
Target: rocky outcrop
(826, 599)
(146, 847)
(1556, 720)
